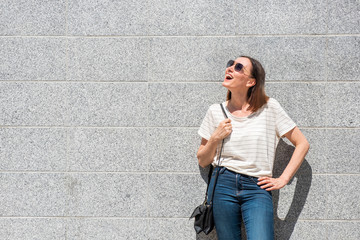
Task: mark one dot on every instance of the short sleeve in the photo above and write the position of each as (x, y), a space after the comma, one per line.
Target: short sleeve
(283, 122)
(207, 126)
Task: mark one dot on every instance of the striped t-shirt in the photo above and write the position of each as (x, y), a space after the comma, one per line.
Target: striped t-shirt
(250, 148)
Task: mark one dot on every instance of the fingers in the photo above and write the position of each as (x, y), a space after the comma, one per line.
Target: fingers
(267, 183)
(227, 120)
(226, 124)
(223, 130)
(270, 184)
(228, 129)
(263, 178)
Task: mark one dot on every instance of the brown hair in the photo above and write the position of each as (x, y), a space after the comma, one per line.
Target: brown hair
(256, 94)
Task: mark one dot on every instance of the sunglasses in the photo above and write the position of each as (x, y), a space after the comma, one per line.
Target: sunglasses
(238, 66)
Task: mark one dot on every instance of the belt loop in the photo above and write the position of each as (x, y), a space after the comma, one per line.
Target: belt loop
(222, 170)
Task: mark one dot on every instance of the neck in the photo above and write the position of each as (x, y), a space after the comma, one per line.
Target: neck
(238, 102)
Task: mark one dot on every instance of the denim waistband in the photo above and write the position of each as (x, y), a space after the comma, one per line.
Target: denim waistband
(223, 169)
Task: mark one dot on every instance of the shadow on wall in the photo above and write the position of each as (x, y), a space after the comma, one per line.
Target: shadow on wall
(283, 227)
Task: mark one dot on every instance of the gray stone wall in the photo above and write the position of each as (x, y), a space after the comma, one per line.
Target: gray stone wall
(100, 102)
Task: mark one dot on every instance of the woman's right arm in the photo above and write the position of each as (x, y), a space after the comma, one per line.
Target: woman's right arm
(207, 149)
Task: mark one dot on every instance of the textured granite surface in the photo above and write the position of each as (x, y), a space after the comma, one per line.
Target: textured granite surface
(100, 103)
(33, 18)
(33, 58)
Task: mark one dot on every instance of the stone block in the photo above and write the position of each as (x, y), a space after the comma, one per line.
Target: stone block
(33, 194)
(293, 58)
(107, 149)
(294, 230)
(281, 17)
(108, 104)
(343, 16)
(180, 193)
(191, 58)
(33, 58)
(343, 197)
(32, 228)
(343, 58)
(343, 230)
(182, 104)
(317, 155)
(103, 228)
(171, 228)
(173, 149)
(305, 103)
(22, 17)
(343, 151)
(342, 105)
(108, 59)
(107, 194)
(32, 149)
(33, 104)
(93, 17)
(188, 17)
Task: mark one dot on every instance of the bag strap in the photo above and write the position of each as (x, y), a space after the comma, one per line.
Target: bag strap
(223, 110)
(211, 166)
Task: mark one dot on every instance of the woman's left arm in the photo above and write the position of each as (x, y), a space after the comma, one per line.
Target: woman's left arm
(301, 148)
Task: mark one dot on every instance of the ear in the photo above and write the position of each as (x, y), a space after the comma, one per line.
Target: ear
(251, 82)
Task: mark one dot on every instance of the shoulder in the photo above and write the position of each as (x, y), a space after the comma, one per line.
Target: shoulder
(273, 103)
(215, 112)
(215, 107)
(212, 110)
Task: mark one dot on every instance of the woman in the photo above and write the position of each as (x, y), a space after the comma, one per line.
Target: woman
(251, 134)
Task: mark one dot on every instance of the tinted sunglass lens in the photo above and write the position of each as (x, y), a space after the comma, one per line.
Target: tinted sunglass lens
(230, 63)
(238, 67)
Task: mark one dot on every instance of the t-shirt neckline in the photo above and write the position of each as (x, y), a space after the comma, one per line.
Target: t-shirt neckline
(236, 117)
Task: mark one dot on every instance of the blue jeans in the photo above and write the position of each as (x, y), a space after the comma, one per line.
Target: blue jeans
(238, 197)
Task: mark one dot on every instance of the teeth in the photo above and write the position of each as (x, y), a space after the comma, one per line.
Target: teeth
(228, 76)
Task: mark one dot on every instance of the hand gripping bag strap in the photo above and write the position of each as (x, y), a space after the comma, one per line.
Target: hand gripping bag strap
(217, 173)
(204, 221)
(211, 166)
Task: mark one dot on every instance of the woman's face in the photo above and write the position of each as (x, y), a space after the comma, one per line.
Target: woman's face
(236, 80)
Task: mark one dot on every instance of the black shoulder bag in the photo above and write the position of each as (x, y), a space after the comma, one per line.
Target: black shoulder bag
(204, 220)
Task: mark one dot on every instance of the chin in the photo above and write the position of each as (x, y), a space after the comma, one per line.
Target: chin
(225, 83)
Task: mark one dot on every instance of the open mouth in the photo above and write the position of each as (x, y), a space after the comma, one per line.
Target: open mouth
(228, 77)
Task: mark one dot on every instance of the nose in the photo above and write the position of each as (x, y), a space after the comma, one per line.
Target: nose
(231, 68)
